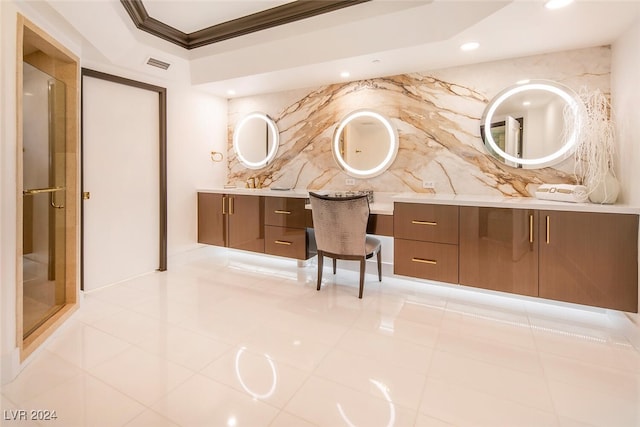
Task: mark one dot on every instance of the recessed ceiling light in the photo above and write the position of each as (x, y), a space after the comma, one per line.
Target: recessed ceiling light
(345, 74)
(557, 4)
(523, 82)
(526, 103)
(231, 92)
(469, 46)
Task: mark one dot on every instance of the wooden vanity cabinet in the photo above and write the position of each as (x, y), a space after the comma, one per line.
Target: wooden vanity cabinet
(499, 249)
(426, 241)
(589, 258)
(285, 226)
(233, 221)
(212, 219)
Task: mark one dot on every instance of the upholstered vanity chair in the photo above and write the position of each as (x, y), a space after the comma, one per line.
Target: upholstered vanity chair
(340, 225)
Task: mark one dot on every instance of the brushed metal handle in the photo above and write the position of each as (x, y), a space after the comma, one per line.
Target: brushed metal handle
(282, 242)
(548, 228)
(231, 209)
(282, 212)
(531, 228)
(33, 191)
(224, 205)
(52, 201)
(415, 221)
(424, 261)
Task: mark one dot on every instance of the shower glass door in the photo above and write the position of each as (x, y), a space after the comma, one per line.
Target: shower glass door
(44, 218)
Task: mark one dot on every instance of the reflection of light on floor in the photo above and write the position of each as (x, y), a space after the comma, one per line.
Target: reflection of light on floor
(521, 324)
(252, 268)
(386, 324)
(385, 392)
(246, 388)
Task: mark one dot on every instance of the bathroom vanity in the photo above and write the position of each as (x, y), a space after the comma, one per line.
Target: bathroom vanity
(579, 253)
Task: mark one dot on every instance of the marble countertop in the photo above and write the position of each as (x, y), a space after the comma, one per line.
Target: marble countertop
(303, 194)
(383, 202)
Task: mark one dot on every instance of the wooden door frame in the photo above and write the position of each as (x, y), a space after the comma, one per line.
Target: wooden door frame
(50, 56)
(162, 159)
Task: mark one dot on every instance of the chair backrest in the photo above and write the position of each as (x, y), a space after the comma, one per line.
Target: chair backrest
(340, 223)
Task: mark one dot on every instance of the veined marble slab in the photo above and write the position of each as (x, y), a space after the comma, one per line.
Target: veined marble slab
(437, 115)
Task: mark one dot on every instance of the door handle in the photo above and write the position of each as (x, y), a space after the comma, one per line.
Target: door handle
(34, 191)
(49, 190)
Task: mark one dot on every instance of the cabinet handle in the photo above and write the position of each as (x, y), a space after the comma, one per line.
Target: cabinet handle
(282, 242)
(415, 221)
(231, 210)
(548, 228)
(531, 228)
(224, 205)
(424, 261)
(282, 212)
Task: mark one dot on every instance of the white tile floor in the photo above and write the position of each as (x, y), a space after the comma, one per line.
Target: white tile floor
(231, 339)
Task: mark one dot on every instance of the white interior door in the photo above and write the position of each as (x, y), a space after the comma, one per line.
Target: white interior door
(120, 171)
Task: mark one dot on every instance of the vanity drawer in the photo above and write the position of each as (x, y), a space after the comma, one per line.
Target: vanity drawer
(428, 223)
(285, 212)
(382, 225)
(285, 241)
(426, 260)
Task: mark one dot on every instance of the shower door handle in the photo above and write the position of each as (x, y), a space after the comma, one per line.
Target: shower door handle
(34, 191)
(50, 190)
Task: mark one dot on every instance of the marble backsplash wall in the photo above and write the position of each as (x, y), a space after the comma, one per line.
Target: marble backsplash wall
(437, 115)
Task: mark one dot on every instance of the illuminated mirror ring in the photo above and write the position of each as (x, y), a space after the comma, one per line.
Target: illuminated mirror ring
(244, 144)
(389, 154)
(572, 101)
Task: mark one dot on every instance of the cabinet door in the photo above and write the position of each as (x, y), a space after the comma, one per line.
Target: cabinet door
(245, 226)
(211, 219)
(498, 249)
(589, 258)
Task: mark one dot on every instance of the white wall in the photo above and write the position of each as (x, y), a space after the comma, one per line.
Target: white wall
(625, 99)
(625, 94)
(197, 125)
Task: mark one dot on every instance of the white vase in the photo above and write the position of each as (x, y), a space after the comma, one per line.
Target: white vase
(606, 191)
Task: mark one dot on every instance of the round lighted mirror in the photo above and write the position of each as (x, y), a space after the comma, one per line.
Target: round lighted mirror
(255, 140)
(365, 144)
(533, 124)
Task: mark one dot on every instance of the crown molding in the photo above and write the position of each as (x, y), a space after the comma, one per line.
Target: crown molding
(269, 18)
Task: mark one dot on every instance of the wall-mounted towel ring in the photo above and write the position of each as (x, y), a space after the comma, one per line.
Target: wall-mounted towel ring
(216, 156)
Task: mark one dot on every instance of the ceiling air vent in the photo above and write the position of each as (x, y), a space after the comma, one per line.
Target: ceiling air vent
(157, 63)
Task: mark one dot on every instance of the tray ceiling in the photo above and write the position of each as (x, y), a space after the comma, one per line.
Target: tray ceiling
(230, 19)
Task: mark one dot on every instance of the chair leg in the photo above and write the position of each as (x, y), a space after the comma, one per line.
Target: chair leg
(380, 265)
(320, 261)
(335, 262)
(362, 263)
